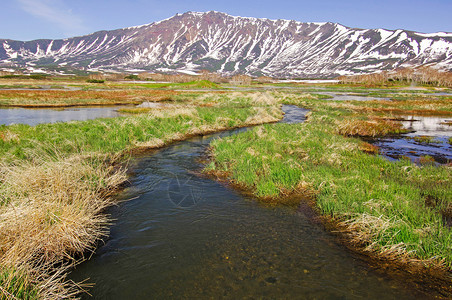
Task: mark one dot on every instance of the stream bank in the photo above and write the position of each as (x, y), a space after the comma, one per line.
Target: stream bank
(185, 236)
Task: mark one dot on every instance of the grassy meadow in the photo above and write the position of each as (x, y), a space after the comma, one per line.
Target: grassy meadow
(57, 179)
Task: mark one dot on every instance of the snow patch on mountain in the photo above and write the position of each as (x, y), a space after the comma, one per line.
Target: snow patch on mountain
(216, 41)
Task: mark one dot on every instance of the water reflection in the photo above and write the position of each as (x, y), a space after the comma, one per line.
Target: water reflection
(348, 97)
(32, 117)
(294, 114)
(431, 126)
(428, 136)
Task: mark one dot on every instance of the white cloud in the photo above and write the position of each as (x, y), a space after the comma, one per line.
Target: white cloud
(56, 12)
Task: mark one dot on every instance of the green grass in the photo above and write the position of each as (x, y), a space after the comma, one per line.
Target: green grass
(423, 139)
(19, 86)
(95, 81)
(17, 284)
(388, 205)
(113, 134)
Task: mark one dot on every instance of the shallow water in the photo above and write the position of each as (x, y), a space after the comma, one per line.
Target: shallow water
(43, 88)
(183, 236)
(32, 117)
(405, 146)
(348, 97)
(294, 114)
(431, 126)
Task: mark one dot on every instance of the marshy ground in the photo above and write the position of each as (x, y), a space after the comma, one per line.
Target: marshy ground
(57, 179)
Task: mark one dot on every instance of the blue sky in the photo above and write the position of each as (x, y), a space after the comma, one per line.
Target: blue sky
(34, 19)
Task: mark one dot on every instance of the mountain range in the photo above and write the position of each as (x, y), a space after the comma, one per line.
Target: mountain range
(222, 43)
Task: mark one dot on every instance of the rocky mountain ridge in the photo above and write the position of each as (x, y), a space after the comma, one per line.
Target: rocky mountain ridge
(219, 42)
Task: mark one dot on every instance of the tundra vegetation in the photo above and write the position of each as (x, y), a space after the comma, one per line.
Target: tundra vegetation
(57, 179)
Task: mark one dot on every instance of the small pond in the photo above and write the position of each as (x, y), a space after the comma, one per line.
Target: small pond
(32, 117)
(349, 97)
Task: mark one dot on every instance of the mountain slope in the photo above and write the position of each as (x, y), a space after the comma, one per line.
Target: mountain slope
(220, 42)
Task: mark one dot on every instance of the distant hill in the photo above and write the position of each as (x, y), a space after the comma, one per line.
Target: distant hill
(219, 42)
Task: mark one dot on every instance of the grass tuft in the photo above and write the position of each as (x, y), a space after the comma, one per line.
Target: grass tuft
(424, 139)
(369, 128)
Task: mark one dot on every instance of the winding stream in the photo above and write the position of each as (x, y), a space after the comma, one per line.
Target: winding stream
(186, 237)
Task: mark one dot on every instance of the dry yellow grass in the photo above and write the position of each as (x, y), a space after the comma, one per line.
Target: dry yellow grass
(264, 98)
(62, 98)
(373, 127)
(50, 214)
(419, 75)
(263, 116)
(364, 229)
(419, 104)
(368, 148)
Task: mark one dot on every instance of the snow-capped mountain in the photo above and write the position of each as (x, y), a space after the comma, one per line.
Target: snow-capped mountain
(219, 42)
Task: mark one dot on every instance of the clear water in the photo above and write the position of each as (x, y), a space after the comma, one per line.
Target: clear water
(431, 126)
(182, 236)
(32, 117)
(406, 146)
(347, 97)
